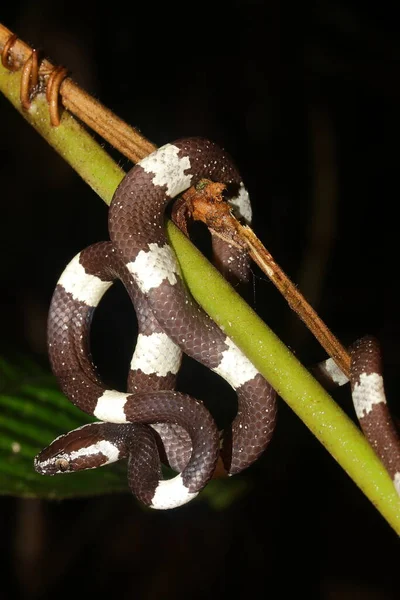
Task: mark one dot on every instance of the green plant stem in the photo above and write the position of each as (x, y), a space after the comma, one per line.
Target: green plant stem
(71, 141)
(291, 380)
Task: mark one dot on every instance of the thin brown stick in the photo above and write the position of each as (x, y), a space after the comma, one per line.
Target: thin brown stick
(133, 145)
(296, 300)
(205, 202)
(119, 134)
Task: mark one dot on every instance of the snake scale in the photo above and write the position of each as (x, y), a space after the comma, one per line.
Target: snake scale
(151, 420)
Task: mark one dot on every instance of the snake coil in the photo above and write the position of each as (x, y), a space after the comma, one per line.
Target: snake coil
(151, 417)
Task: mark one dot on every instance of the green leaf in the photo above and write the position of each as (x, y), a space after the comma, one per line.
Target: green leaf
(32, 413)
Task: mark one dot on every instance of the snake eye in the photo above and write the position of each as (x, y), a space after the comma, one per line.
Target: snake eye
(62, 464)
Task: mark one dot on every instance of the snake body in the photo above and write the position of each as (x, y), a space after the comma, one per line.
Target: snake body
(169, 322)
(369, 400)
(152, 420)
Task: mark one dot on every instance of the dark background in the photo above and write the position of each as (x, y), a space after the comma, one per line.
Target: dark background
(306, 98)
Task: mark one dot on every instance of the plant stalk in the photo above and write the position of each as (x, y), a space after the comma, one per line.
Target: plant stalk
(290, 379)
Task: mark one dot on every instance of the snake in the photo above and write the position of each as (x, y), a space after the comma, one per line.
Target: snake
(169, 323)
(152, 423)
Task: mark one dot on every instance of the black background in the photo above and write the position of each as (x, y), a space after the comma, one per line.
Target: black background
(305, 97)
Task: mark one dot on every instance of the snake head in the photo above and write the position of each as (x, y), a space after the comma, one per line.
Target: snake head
(84, 448)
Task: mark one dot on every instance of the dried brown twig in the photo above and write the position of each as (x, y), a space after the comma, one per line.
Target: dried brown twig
(16, 54)
(205, 203)
(99, 118)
